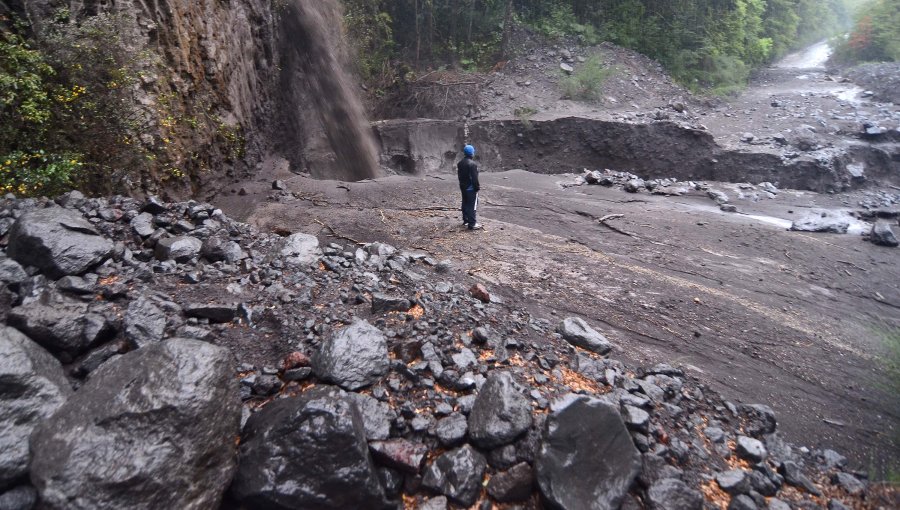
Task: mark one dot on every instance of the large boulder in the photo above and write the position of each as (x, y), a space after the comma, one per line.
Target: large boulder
(586, 459)
(355, 357)
(882, 235)
(57, 241)
(307, 452)
(301, 249)
(155, 429)
(32, 388)
(145, 323)
(63, 326)
(179, 248)
(501, 412)
(834, 222)
(575, 331)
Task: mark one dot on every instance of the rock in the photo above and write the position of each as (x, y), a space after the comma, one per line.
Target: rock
(636, 419)
(156, 428)
(451, 430)
(734, 482)
(142, 224)
(835, 222)
(793, 476)
(154, 205)
(11, 272)
(180, 248)
(23, 497)
(586, 458)
(457, 474)
(307, 452)
(74, 285)
(294, 360)
(832, 459)
(382, 303)
(759, 420)
(742, 502)
(762, 484)
(438, 503)
(279, 185)
(512, 485)
(719, 196)
(634, 185)
(145, 323)
(480, 292)
(777, 504)
(849, 483)
(353, 358)
(501, 412)
(64, 327)
(673, 494)
(57, 241)
(882, 235)
(377, 416)
(32, 388)
(575, 331)
(216, 313)
(751, 449)
(728, 208)
(566, 68)
(748, 137)
(216, 249)
(301, 250)
(399, 454)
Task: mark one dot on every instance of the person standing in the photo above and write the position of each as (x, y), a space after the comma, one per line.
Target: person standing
(467, 171)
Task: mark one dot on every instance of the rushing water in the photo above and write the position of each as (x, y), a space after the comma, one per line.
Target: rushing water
(813, 57)
(318, 49)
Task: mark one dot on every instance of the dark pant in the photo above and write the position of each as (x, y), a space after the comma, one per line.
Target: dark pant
(469, 207)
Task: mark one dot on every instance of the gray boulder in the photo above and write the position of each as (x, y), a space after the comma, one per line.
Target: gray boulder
(63, 326)
(301, 249)
(57, 241)
(882, 235)
(501, 412)
(32, 388)
(179, 249)
(834, 222)
(142, 224)
(586, 459)
(457, 474)
(354, 358)
(575, 331)
(23, 497)
(11, 272)
(155, 429)
(145, 323)
(307, 452)
(673, 494)
(513, 485)
(216, 249)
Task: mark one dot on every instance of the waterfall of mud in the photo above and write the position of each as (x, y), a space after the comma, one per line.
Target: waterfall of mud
(314, 47)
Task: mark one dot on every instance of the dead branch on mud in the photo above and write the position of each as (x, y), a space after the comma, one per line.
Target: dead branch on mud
(851, 264)
(335, 234)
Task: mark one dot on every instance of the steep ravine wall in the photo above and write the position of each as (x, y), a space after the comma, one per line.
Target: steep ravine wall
(654, 150)
(226, 84)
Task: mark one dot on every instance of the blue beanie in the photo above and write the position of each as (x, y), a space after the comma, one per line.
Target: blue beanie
(469, 150)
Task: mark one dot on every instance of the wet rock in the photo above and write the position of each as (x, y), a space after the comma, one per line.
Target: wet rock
(307, 452)
(457, 474)
(575, 331)
(718, 196)
(355, 357)
(480, 292)
(777, 504)
(728, 208)
(216, 249)
(23, 497)
(145, 323)
(673, 494)
(32, 388)
(142, 224)
(180, 248)
(279, 185)
(586, 458)
(64, 327)
(11, 272)
(835, 222)
(763, 484)
(501, 412)
(399, 454)
(795, 477)
(882, 235)
(382, 303)
(155, 427)
(636, 419)
(512, 485)
(634, 185)
(832, 459)
(451, 430)
(74, 285)
(750, 449)
(154, 205)
(216, 313)
(734, 482)
(301, 250)
(438, 503)
(377, 416)
(57, 241)
(759, 420)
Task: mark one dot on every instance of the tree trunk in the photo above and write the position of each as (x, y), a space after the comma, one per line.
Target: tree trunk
(507, 29)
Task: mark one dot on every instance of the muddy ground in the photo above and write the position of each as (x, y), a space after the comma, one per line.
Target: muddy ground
(794, 320)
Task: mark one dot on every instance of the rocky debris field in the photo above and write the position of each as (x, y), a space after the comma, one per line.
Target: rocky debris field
(882, 80)
(162, 355)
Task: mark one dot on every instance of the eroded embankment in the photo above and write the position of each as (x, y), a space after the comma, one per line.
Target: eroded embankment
(651, 150)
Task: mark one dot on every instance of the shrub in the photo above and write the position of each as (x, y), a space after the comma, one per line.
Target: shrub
(587, 81)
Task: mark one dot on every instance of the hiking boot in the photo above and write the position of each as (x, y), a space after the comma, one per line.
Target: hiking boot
(476, 226)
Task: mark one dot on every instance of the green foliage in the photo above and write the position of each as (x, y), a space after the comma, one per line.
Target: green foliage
(587, 81)
(875, 36)
(524, 114)
(561, 22)
(38, 173)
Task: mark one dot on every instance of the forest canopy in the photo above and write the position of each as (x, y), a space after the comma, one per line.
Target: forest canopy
(705, 44)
